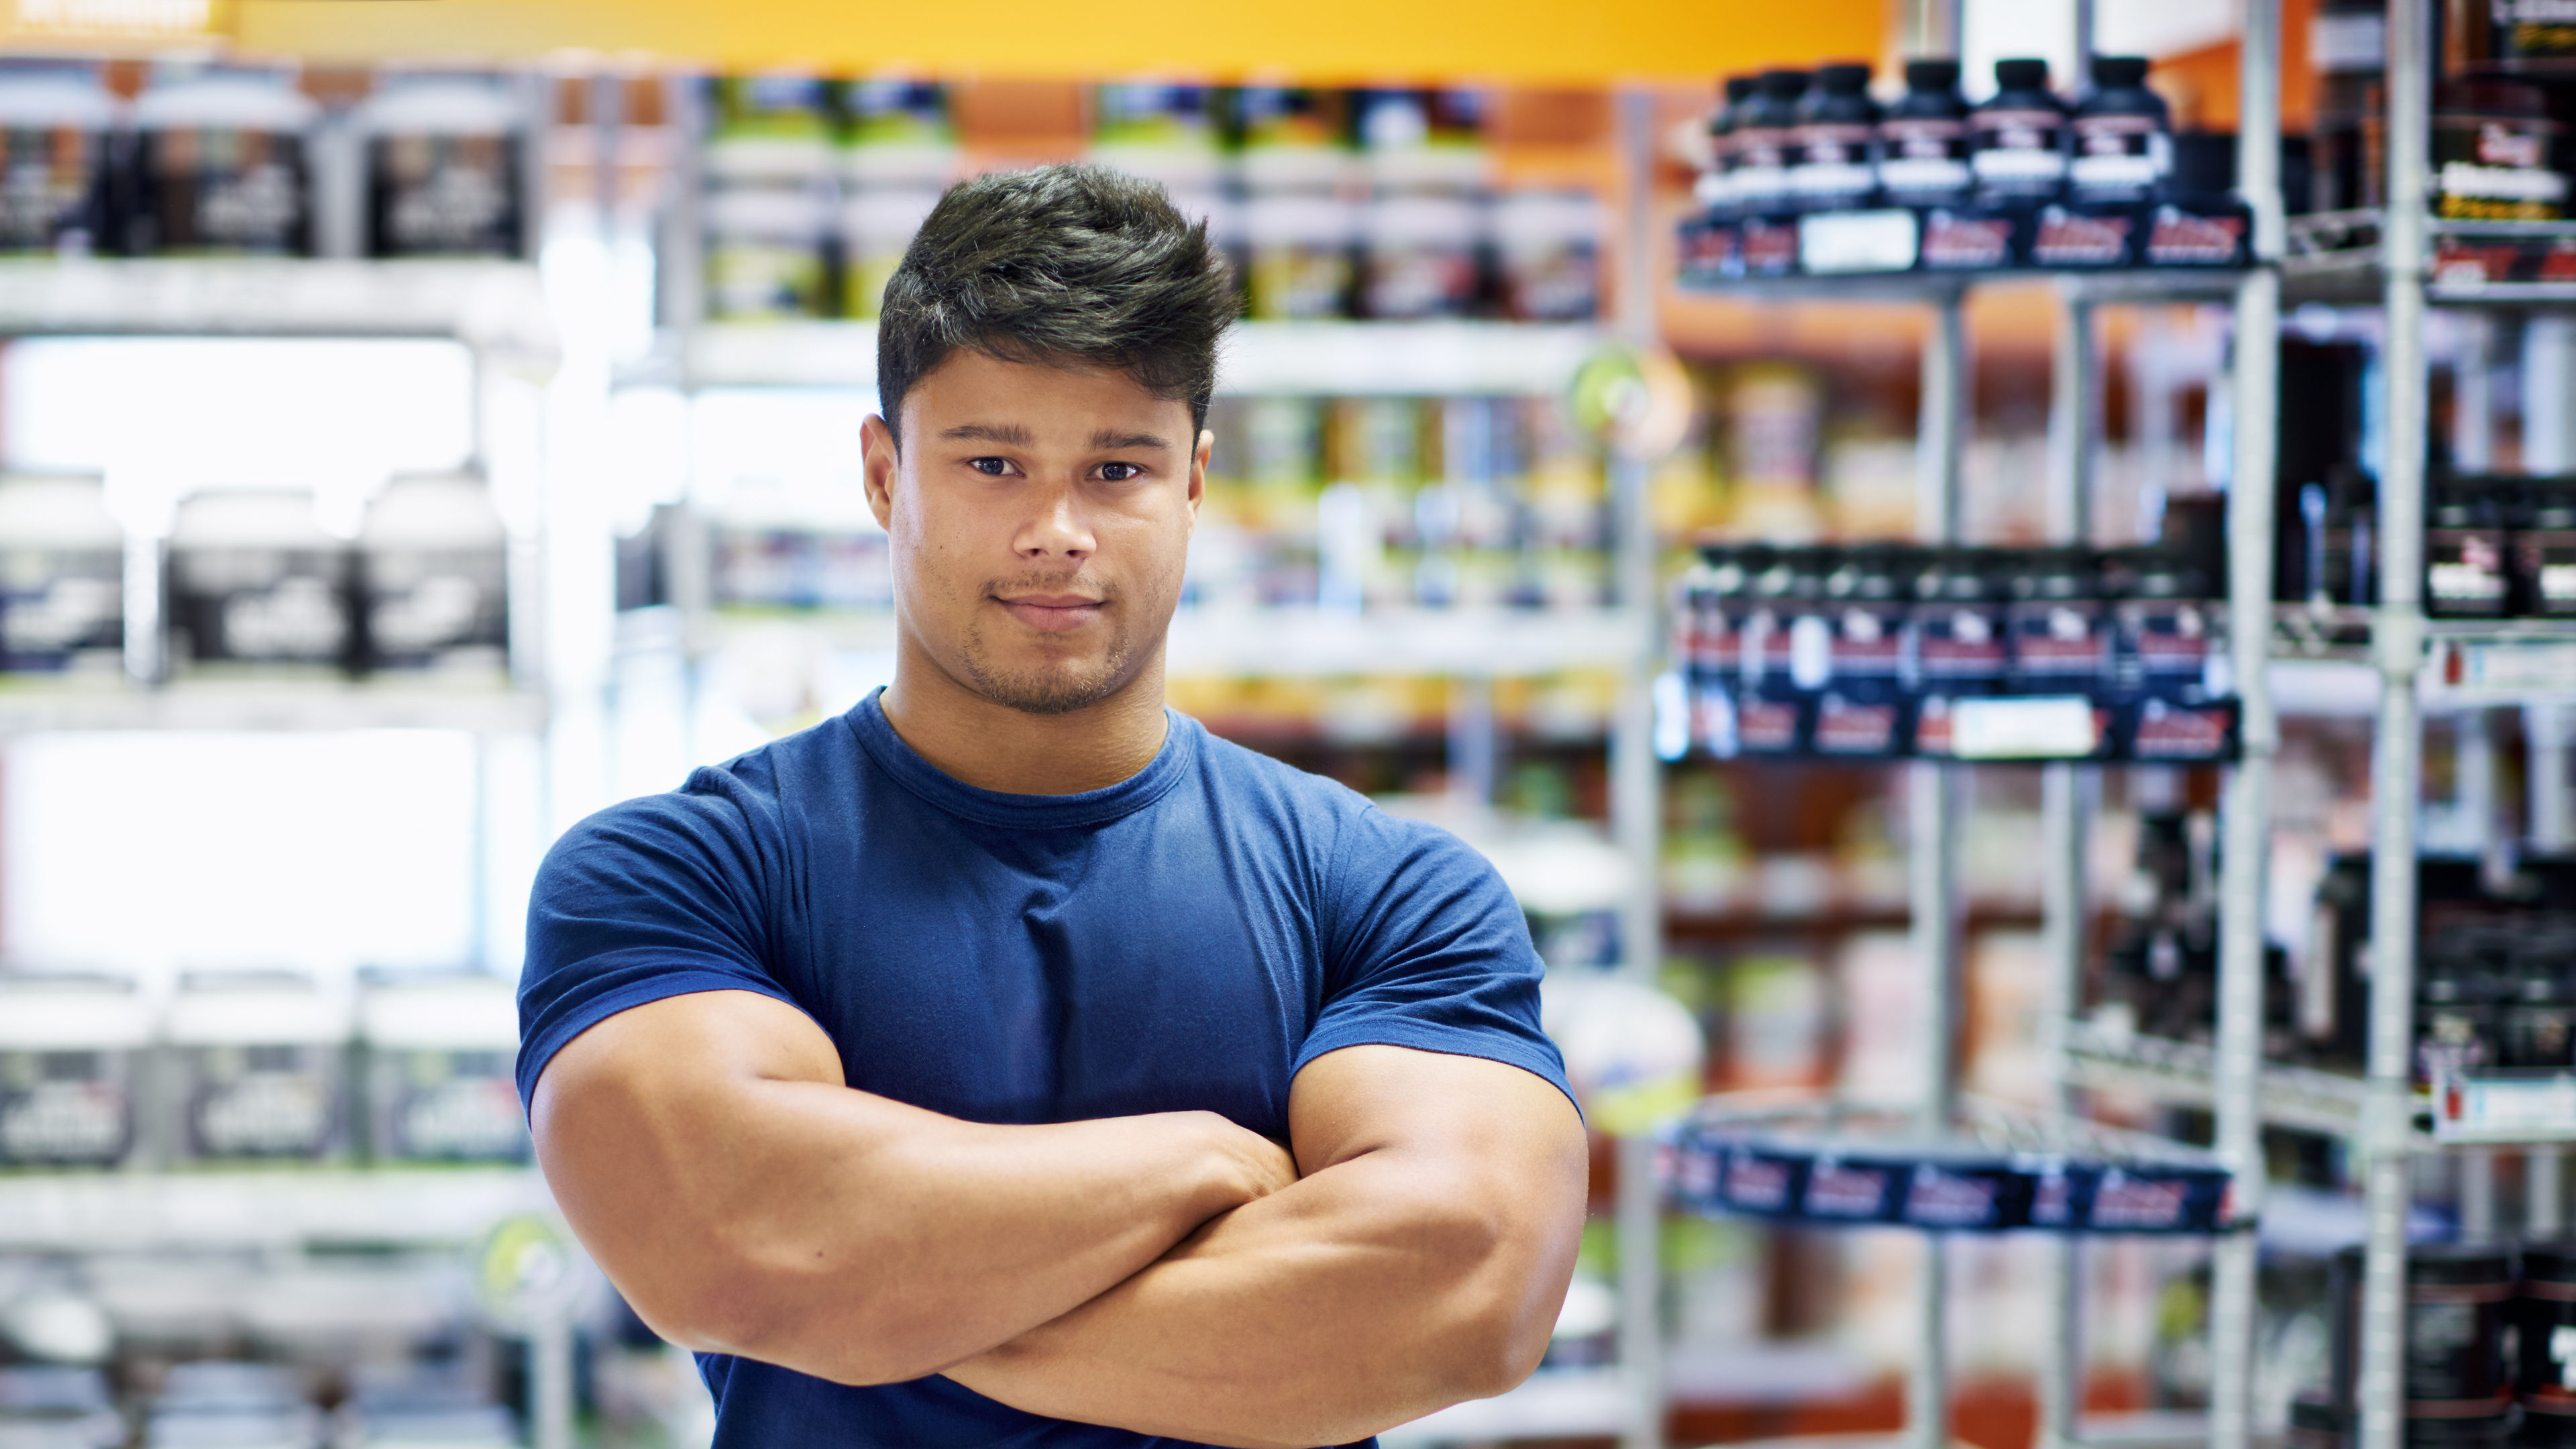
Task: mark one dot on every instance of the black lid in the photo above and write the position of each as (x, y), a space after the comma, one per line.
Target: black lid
(2119, 70)
(2457, 1263)
(1739, 88)
(2021, 75)
(1784, 85)
(2317, 1414)
(1867, 572)
(1932, 75)
(2055, 573)
(1843, 78)
(2552, 1262)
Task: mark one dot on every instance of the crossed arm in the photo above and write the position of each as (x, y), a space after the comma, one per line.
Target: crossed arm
(1171, 1274)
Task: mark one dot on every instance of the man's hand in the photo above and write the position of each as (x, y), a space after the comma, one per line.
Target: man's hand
(746, 1201)
(1420, 1261)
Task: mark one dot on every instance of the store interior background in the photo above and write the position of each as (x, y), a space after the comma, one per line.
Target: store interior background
(360, 834)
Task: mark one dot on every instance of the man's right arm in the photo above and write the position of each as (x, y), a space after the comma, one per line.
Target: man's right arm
(745, 1201)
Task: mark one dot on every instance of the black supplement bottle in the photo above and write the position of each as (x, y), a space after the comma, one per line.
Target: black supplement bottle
(1835, 140)
(2122, 136)
(2018, 136)
(1766, 138)
(1923, 139)
(1718, 190)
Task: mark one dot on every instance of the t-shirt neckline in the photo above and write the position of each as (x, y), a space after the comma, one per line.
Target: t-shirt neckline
(876, 735)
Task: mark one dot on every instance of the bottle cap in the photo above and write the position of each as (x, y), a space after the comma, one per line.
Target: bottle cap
(2021, 75)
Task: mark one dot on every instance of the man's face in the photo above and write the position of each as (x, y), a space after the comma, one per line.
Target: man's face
(1040, 520)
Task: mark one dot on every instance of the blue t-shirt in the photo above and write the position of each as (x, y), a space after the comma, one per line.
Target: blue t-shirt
(1188, 938)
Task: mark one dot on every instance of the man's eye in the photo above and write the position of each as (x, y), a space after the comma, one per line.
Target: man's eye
(1119, 472)
(994, 467)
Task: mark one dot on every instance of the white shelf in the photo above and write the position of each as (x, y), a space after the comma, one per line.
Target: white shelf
(111, 1211)
(32, 704)
(1311, 643)
(2183, 1074)
(497, 307)
(1340, 358)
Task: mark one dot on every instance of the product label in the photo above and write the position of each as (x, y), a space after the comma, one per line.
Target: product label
(2464, 571)
(2167, 731)
(1769, 248)
(1710, 250)
(1837, 1191)
(2018, 151)
(2059, 645)
(466, 1118)
(2127, 1202)
(62, 1108)
(2073, 239)
(2549, 563)
(1760, 176)
(1766, 726)
(1953, 242)
(1846, 726)
(1950, 1200)
(1955, 646)
(263, 1114)
(2178, 238)
(46, 181)
(1924, 160)
(1756, 1184)
(2122, 156)
(1833, 164)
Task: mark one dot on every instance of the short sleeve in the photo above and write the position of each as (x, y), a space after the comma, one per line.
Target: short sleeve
(1425, 947)
(658, 896)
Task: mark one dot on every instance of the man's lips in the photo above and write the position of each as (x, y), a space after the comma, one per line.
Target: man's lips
(1054, 613)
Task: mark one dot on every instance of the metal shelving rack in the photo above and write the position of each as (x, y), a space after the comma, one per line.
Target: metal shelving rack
(2229, 1077)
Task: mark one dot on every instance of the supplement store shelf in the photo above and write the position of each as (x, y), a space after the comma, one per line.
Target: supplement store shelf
(2134, 284)
(2469, 662)
(278, 1207)
(2182, 1074)
(2334, 257)
(31, 704)
(1338, 358)
(1313, 643)
(1836, 1164)
(499, 308)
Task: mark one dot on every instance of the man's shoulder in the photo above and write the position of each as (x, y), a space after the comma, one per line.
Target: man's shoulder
(1306, 802)
(750, 794)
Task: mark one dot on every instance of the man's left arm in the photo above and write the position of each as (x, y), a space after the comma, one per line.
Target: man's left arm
(1419, 1261)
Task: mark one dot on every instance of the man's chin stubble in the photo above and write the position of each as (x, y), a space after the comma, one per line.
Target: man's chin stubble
(1044, 692)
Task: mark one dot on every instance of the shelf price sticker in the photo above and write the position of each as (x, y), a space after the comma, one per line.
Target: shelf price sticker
(2532, 1107)
(2044, 727)
(2513, 667)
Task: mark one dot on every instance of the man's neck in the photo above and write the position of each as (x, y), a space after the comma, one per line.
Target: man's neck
(994, 747)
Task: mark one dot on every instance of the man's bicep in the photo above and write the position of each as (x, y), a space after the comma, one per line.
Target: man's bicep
(1374, 1098)
(692, 1043)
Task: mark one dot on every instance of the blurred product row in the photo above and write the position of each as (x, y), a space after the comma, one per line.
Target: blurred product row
(242, 163)
(1806, 173)
(256, 582)
(239, 1404)
(1371, 203)
(242, 1067)
(1886, 650)
(2494, 546)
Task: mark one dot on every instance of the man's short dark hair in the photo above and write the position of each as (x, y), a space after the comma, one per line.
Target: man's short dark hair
(1060, 265)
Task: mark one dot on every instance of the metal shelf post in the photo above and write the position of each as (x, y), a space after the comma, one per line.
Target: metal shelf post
(2397, 763)
(1932, 860)
(2246, 847)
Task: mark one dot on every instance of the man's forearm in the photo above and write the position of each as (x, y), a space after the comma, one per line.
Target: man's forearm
(767, 1213)
(1364, 1296)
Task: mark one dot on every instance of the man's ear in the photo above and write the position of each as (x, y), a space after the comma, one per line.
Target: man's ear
(878, 460)
(1198, 470)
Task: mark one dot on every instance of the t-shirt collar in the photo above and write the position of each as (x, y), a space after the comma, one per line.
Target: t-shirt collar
(1026, 812)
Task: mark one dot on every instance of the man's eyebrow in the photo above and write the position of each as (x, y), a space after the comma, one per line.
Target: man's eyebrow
(1010, 435)
(1110, 440)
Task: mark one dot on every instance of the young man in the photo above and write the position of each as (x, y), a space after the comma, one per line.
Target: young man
(927, 1072)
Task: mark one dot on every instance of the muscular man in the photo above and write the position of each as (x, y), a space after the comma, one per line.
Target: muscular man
(1009, 1061)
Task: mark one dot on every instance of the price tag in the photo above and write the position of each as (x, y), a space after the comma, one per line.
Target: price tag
(1842, 242)
(2534, 1108)
(2045, 727)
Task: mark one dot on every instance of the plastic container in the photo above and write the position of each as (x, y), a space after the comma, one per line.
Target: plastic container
(2455, 1013)
(2465, 551)
(443, 179)
(2536, 1023)
(2018, 137)
(2121, 136)
(899, 135)
(1788, 653)
(767, 254)
(1715, 189)
(2527, 36)
(256, 584)
(2545, 1324)
(1958, 640)
(1923, 140)
(62, 572)
(2495, 153)
(1301, 257)
(220, 168)
(2167, 628)
(433, 578)
(56, 137)
(1423, 141)
(2544, 551)
(1860, 710)
(1766, 138)
(438, 1077)
(1420, 258)
(1292, 141)
(876, 227)
(1547, 246)
(73, 1060)
(769, 130)
(258, 1067)
(1721, 612)
(1835, 142)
